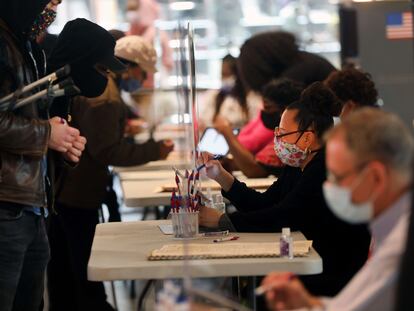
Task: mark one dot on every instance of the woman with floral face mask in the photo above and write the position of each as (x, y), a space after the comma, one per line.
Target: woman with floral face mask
(296, 200)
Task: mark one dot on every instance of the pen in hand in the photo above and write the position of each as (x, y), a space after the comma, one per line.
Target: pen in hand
(216, 157)
(264, 288)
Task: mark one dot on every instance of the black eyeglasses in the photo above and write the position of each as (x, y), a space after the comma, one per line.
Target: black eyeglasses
(337, 179)
(278, 135)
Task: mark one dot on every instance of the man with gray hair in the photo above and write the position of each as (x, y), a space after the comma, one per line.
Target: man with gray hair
(369, 160)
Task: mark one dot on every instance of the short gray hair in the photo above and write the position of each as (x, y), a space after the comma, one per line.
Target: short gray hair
(372, 134)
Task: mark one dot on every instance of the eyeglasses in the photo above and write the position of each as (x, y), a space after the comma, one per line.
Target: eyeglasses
(337, 179)
(280, 135)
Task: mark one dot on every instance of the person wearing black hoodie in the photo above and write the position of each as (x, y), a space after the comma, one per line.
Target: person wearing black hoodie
(25, 137)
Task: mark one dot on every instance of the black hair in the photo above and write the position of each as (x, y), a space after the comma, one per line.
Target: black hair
(238, 92)
(265, 56)
(316, 107)
(127, 62)
(353, 84)
(282, 92)
(117, 34)
(232, 61)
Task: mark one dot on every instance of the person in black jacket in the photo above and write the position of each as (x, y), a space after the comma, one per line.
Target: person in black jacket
(296, 200)
(81, 190)
(26, 136)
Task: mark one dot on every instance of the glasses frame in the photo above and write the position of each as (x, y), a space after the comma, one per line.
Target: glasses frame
(338, 180)
(290, 133)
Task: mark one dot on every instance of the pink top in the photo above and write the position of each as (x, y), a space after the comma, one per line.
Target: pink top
(255, 136)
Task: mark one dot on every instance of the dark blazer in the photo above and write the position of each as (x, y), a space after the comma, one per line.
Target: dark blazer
(296, 200)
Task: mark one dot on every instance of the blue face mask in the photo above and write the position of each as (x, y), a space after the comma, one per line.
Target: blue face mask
(130, 85)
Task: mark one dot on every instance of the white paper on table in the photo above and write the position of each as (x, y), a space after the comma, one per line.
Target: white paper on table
(166, 229)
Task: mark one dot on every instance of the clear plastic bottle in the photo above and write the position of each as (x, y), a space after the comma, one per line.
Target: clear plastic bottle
(219, 203)
(286, 244)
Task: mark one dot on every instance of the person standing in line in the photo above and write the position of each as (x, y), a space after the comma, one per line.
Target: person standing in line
(25, 137)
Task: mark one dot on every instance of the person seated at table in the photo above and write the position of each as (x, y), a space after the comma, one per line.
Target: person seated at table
(80, 191)
(369, 159)
(277, 95)
(354, 88)
(274, 55)
(229, 102)
(295, 200)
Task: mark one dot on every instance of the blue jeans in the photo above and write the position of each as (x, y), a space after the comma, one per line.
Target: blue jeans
(24, 254)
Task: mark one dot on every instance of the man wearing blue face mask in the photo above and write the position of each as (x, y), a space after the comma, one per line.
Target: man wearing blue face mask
(139, 57)
(369, 160)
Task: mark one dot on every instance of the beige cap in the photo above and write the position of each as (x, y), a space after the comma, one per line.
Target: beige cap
(137, 50)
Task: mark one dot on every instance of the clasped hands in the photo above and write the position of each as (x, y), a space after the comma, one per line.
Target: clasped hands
(66, 139)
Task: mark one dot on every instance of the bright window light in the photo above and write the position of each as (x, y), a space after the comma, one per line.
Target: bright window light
(182, 5)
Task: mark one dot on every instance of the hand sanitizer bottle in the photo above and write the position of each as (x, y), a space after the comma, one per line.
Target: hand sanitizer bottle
(286, 244)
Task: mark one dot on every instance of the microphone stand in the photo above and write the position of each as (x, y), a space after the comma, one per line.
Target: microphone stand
(66, 87)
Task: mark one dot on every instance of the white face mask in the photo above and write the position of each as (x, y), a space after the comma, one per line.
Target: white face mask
(228, 82)
(339, 200)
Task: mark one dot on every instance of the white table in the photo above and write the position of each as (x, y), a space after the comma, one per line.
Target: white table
(120, 250)
(146, 175)
(161, 174)
(155, 166)
(146, 192)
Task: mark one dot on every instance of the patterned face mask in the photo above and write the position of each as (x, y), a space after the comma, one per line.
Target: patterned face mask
(42, 22)
(289, 154)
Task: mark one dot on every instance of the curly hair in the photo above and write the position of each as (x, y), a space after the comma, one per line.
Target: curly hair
(265, 56)
(316, 107)
(282, 92)
(353, 84)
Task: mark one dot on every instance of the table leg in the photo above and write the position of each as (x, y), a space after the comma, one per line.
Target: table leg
(235, 288)
(144, 292)
(251, 297)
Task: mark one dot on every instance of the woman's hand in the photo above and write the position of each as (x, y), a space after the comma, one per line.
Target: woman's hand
(166, 146)
(215, 171)
(209, 217)
(223, 126)
(213, 167)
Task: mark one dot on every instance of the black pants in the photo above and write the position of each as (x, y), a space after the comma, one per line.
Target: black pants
(71, 234)
(24, 253)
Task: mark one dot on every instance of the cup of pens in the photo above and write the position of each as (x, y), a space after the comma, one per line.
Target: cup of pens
(185, 224)
(185, 205)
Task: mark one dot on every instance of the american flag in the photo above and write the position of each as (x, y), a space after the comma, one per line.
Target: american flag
(399, 26)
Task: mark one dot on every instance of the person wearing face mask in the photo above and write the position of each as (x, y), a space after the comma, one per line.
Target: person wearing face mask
(27, 136)
(277, 95)
(229, 102)
(82, 189)
(274, 55)
(296, 200)
(369, 159)
(46, 40)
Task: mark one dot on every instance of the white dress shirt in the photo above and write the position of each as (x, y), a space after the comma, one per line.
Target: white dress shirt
(374, 286)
